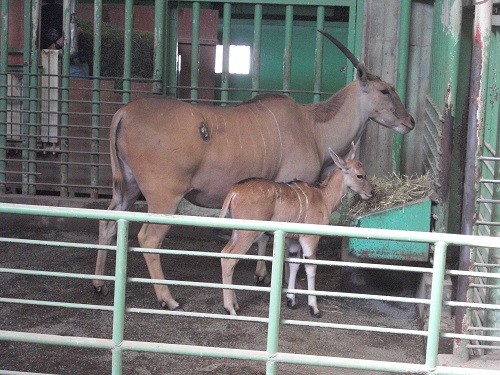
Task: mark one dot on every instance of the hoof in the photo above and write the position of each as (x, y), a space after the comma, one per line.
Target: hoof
(228, 312)
(101, 290)
(177, 308)
(314, 314)
(262, 281)
(290, 304)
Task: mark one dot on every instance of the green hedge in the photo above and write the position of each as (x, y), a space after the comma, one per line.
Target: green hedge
(112, 50)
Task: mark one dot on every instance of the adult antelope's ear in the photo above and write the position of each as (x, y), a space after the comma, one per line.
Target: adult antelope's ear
(352, 152)
(362, 73)
(339, 162)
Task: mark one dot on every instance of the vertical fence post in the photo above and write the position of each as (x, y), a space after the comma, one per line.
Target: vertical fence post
(226, 46)
(119, 294)
(402, 72)
(64, 141)
(195, 50)
(159, 45)
(438, 274)
(257, 37)
(318, 56)
(273, 326)
(96, 98)
(287, 53)
(127, 50)
(172, 22)
(4, 41)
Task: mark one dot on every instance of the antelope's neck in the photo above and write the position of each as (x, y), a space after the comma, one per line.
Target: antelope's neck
(346, 125)
(334, 189)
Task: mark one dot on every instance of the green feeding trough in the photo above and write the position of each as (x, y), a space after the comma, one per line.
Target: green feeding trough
(413, 216)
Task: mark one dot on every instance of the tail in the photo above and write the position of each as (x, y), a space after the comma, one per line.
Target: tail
(225, 210)
(116, 166)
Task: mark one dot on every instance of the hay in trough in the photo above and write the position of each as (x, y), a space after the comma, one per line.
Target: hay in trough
(392, 191)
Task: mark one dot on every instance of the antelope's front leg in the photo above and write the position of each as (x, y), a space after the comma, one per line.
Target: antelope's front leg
(293, 268)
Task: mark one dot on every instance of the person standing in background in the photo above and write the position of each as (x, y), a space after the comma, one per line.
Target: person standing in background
(51, 34)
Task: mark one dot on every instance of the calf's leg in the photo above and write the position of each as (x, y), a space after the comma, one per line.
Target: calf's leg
(261, 277)
(293, 268)
(309, 247)
(240, 242)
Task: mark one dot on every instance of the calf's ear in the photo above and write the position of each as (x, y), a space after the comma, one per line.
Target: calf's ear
(339, 162)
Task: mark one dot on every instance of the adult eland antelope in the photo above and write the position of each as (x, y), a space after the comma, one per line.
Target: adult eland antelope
(168, 149)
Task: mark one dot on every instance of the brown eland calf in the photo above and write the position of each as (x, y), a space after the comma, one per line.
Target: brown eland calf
(298, 202)
(167, 149)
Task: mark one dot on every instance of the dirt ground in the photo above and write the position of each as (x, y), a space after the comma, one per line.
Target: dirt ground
(207, 332)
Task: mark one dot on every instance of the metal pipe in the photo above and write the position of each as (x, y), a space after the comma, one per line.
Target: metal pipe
(287, 53)
(96, 98)
(64, 142)
(275, 300)
(4, 44)
(127, 50)
(402, 73)
(29, 167)
(257, 37)
(478, 79)
(436, 304)
(119, 295)
(195, 49)
(318, 61)
(159, 44)
(226, 45)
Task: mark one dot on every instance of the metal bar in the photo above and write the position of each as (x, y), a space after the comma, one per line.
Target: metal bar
(96, 99)
(70, 305)
(212, 222)
(346, 3)
(159, 44)
(287, 52)
(195, 49)
(29, 138)
(402, 72)
(4, 44)
(127, 50)
(226, 40)
(436, 304)
(63, 130)
(167, 67)
(273, 326)
(119, 295)
(231, 353)
(318, 56)
(172, 54)
(26, 89)
(257, 37)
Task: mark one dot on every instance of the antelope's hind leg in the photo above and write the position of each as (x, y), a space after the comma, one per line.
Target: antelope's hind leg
(240, 242)
(261, 277)
(107, 230)
(151, 236)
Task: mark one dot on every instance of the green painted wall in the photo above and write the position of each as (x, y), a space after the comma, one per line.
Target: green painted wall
(303, 50)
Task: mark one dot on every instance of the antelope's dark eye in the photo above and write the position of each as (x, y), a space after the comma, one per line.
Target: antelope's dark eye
(360, 176)
(385, 91)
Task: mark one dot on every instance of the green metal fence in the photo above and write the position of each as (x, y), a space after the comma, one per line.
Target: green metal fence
(272, 355)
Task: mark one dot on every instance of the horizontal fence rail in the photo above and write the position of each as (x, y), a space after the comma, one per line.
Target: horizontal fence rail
(272, 356)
